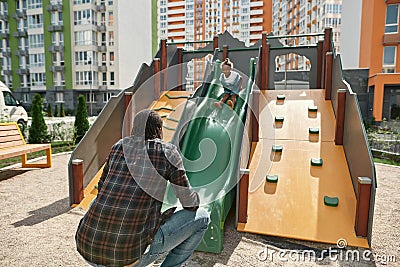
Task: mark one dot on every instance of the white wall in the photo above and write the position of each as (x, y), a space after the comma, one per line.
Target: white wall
(134, 37)
(350, 33)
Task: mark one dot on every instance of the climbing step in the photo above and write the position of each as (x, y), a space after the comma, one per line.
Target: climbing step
(277, 148)
(169, 128)
(316, 162)
(280, 97)
(177, 97)
(163, 107)
(313, 130)
(272, 178)
(279, 118)
(331, 201)
(172, 119)
(313, 108)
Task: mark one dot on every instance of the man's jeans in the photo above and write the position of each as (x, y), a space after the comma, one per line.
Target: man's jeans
(180, 235)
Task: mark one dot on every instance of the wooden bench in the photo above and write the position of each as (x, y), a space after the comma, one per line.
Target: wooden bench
(12, 144)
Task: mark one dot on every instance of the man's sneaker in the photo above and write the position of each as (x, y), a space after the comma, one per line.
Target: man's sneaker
(230, 103)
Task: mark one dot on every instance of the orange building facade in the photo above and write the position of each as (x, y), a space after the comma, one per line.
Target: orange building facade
(379, 51)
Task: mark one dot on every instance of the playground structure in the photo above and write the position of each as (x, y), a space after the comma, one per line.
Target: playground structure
(296, 161)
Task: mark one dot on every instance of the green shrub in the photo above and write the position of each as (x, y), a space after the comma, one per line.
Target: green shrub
(62, 112)
(38, 130)
(55, 111)
(81, 119)
(49, 110)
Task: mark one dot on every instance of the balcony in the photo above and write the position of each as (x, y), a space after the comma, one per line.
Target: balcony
(102, 68)
(7, 72)
(19, 34)
(256, 20)
(57, 68)
(256, 28)
(55, 28)
(101, 8)
(101, 28)
(19, 15)
(23, 71)
(57, 87)
(257, 4)
(4, 17)
(256, 12)
(55, 7)
(23, 53)
(6, 53)
(102, 48)
(56, 48)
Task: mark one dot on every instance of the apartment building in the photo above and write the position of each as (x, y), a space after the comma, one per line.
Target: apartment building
(303, 17)
(194, 20)
(371, 40)
(61, 49)
(200, 20)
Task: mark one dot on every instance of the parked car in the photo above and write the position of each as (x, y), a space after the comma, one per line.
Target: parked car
(10, 109)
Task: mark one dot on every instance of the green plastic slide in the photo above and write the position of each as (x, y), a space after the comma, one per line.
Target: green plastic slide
(211, 150)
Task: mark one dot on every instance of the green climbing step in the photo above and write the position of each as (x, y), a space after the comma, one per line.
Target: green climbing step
(279, 118)
(277, 148)
(280, 97)
(313, 108)
(272, 178)
(177, 97)
(313, 130)
(331, 201)
(316, 162)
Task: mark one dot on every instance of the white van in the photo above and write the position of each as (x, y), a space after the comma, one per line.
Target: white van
(10, 109)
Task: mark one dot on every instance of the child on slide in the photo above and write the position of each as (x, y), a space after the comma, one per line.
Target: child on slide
(232, 83)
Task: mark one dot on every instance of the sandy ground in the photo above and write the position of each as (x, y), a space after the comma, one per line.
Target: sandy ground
(37, 227)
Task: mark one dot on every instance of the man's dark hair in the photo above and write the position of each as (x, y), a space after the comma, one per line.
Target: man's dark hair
(153, 123)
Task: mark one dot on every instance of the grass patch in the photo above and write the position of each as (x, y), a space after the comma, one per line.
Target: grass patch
(56, 147)
(387, 161)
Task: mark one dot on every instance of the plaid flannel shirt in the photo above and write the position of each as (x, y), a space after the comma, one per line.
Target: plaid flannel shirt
(126, 213)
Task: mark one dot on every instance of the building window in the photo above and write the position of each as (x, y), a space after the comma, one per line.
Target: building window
(38, 79)
(32, 4)
(85, 38)
(36, 40)
(104, 82)
(106, 97)
(112, 78)
(83, 57)
(392, 18)
(111, 38)
(90, 98)
(389, 59)
(35, 21)
(110, 18)
(80, 2)
(59, 97)
(86, 16)
(83, 77)
(111, 58)
(36, 60)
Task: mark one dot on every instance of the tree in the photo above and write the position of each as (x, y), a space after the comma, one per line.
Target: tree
(49, 111)
(38, 130)
(55, 111)
(62, 112)
(81, 119)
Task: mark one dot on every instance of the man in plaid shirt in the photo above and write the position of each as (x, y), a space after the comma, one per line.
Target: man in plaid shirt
(124, 225)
